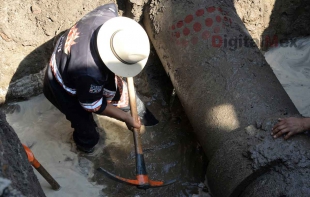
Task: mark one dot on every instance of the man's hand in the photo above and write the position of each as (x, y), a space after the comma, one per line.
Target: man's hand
(131, 123)
(118, 114)
(290, 127)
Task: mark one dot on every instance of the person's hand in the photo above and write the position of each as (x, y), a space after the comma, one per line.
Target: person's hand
(289, 127)
(131, 123)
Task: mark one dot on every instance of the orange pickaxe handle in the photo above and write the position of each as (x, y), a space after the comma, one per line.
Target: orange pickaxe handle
(34, 162)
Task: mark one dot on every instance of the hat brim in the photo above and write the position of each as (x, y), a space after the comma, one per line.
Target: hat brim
(104, 46)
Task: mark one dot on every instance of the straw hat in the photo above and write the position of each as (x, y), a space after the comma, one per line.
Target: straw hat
(123, 46)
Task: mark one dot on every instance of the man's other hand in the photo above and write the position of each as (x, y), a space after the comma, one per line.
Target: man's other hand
(289, 127)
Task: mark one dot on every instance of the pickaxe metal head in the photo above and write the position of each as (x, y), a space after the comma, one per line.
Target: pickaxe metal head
(142, 181)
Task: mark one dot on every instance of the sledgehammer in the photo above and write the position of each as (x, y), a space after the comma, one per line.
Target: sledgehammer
(34, 162)
(142, 180)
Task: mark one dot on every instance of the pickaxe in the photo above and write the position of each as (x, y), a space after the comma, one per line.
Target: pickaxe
(142, 180)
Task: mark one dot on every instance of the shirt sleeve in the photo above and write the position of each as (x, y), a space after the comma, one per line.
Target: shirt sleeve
(90, 94)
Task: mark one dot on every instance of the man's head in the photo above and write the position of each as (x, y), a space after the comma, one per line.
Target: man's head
(123, 46)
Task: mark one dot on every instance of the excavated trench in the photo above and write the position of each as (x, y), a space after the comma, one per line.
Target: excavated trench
(171, 148)
(241, 158)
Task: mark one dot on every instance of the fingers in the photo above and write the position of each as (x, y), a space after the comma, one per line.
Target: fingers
(137, 123)
(278, 124)
(286, 137)
(281, 132)
(278, 129)
(285, 126)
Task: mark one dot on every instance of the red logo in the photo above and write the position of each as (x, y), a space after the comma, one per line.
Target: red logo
(200, 26)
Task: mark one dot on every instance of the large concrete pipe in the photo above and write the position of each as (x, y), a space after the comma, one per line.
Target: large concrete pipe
(231, 97)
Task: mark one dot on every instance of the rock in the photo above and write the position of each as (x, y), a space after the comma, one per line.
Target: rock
(35, 9)
(4, 183)
(27, 86)
(15, 166)
(6, 190)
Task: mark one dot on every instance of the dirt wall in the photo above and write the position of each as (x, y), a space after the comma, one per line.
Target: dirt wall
(274, 19)
(28, 31)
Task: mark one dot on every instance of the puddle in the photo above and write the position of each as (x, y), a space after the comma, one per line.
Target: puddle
(292, 67)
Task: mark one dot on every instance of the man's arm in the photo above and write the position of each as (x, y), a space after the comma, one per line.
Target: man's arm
(90, 96)
(290, 127)
(118, 114)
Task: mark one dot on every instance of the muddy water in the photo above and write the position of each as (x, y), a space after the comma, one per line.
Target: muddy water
(171, 150)
(292, 67)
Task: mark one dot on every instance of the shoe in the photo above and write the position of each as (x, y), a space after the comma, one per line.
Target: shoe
(84, 142)
(85, 150)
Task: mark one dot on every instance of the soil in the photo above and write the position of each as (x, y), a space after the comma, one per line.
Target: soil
(280, 20)
(28, 32)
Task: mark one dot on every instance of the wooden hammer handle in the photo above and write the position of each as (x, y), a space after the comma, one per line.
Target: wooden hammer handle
(134, 113)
